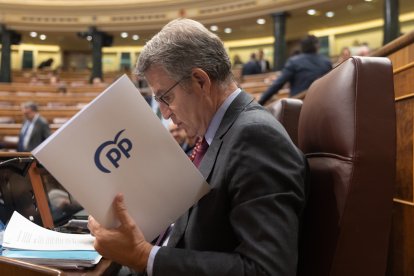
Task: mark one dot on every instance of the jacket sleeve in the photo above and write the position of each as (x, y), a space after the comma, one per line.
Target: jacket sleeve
(285, 76)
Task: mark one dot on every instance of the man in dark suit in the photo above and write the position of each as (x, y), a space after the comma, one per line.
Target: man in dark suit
(35, 128)
(252, 66)
(248, 224)
(300, 70)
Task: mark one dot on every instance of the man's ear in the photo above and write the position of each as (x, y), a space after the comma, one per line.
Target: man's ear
(202, 79)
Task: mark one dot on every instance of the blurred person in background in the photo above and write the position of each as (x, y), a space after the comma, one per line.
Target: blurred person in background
(180, 136)
(300, 70)
(252, 66)
(264, 63)
(35, 128)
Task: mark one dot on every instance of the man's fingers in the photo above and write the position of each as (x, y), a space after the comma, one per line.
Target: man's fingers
(93, 225)
(121, 211)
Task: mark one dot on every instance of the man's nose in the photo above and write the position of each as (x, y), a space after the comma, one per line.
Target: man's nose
(165, 110)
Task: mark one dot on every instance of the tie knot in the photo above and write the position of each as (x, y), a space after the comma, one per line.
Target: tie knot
(203, 145)
(199, 151)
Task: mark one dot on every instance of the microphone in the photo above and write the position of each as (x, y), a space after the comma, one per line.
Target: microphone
(19, 165)
(29, 159)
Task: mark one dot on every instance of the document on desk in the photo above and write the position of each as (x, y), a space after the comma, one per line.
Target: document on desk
(25, 240)
(21, 233)
(117, 144)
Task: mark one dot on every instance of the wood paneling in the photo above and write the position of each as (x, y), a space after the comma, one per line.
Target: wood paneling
(401, 253)
(48, 113)
(47, 99)
(402, 57)
(404, 181)
(401, 249)
(404, 81)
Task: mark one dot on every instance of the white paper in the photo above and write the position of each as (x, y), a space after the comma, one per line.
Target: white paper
(157, 178)
(21, 233)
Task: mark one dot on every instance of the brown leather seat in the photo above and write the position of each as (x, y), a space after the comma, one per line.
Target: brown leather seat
(287, 111)
(347, 131)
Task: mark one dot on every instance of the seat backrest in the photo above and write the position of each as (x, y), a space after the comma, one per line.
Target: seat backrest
(347, 131)
(287, 111)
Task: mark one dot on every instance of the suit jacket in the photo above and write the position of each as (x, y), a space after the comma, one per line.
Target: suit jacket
(300, 71)
(248, 223)
(39, 133)
(251, 67)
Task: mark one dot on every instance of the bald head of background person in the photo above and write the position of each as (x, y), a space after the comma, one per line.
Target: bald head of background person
(35, 128)
(249, 223)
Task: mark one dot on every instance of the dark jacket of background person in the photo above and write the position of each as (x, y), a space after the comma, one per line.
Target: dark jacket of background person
(252, 66)
(300, 70)
(40, 130)
(45, 64)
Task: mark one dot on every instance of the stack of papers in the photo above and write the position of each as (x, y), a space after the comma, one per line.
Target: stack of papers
(27, 241)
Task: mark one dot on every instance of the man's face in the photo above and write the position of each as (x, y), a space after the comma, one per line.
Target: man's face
(185, 105)
(28, 113)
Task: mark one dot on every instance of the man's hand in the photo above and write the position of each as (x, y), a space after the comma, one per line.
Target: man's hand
(125, 244)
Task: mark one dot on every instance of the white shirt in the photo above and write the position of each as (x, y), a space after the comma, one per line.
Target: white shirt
(28, 124)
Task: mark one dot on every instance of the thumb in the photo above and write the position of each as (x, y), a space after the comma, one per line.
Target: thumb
(121, 211)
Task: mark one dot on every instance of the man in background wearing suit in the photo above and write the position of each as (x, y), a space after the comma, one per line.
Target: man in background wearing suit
(300, 70)
(248, 224)
(252, 66)
(35, 128)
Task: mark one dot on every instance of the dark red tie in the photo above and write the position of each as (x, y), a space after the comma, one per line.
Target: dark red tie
(199, 151)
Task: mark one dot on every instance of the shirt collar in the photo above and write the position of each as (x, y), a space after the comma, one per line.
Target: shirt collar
(36, 116)
(215, 122)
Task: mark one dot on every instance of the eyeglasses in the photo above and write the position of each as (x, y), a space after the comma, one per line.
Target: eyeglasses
(163, 98)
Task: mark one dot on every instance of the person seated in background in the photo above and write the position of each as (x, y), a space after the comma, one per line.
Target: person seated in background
(248, 224)
(180, 136)
(54, 77)
(300, 70)
(264, 63)
(35, 128)
(34, 79)
(252, 66)
(237, 62)
(97, 81)
(364, 50)
(344, 55)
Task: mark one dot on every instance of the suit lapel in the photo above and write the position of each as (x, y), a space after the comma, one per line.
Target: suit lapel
(235, 108)
(210, 157)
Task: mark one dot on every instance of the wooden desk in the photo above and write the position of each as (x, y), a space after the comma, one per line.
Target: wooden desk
(37, 206)
(10, 266)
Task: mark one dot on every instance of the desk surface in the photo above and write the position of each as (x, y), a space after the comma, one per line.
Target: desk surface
(104, 267)
(10, 266)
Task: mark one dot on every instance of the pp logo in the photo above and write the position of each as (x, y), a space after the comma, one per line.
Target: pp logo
(114, 151)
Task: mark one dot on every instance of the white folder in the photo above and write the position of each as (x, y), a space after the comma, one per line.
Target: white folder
(117, 144)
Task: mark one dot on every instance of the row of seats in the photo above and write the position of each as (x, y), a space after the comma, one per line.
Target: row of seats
(346, 128)
(51, 88)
